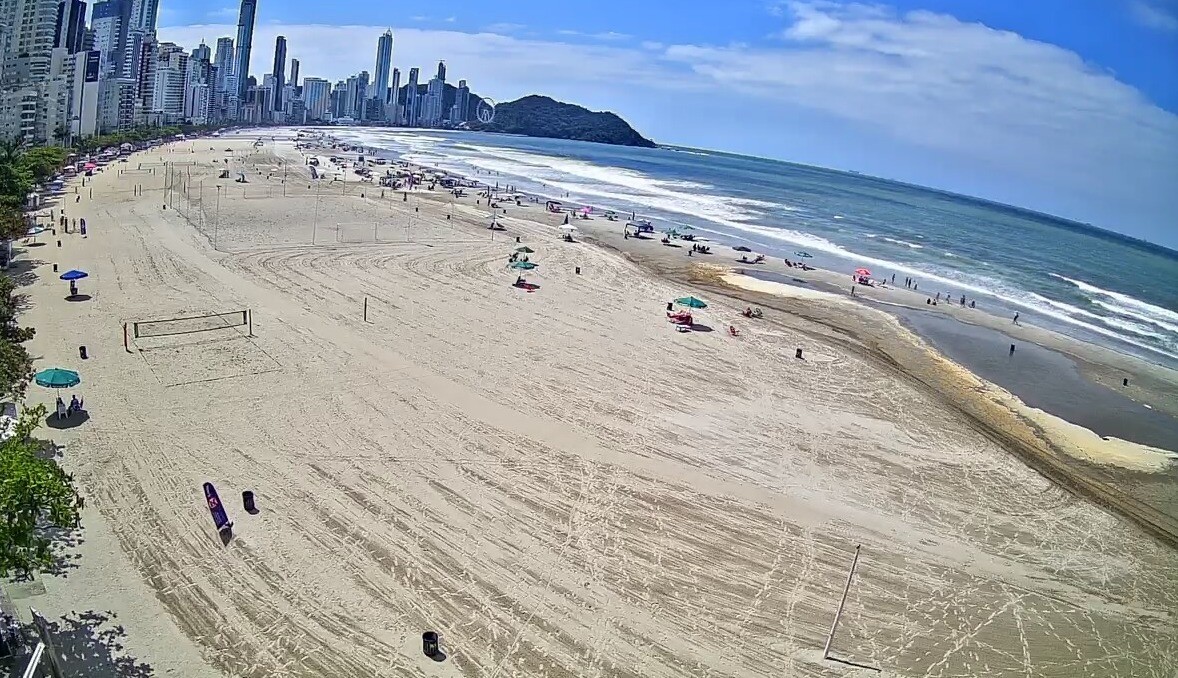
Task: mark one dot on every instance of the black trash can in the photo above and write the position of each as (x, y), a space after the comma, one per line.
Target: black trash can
(247, 501)
(429, 643)
(82, 353)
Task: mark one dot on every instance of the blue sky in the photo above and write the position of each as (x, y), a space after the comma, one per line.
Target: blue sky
(1067, 106)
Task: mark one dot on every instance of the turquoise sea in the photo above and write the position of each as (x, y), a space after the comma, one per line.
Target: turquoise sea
(1080, 280)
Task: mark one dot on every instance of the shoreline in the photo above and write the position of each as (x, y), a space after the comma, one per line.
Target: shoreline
(433, 448)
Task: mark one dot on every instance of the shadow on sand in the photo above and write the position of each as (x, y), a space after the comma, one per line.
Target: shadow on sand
(91, 646)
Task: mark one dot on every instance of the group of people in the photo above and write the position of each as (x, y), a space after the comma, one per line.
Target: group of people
(66, 411)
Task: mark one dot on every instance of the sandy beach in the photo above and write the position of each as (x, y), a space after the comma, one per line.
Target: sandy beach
(555, 481)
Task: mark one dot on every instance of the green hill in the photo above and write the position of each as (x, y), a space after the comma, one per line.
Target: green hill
(540, 116)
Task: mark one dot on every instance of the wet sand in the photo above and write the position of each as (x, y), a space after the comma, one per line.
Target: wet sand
(1042, 378)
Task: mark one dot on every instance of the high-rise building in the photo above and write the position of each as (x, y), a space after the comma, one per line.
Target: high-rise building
(202, 52)
(411, 99)
(279, 72)
(223, 60)
(441, 71)
(109, 23)
(169, 79)
(71, 26)
(384, 61)
(26, 50)
(224, 89)
(294, 73)
(140, 34)
(461, 111)
(245, 41)
(392, 112)
(316, 98)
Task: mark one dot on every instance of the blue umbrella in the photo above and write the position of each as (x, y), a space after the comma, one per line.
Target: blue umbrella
(74, 274)
(56, 377)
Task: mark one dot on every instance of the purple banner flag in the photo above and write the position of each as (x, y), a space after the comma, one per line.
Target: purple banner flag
(220, 518)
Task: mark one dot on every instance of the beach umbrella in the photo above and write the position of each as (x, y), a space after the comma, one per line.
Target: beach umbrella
(74, 274)
(35, 231)
(525, 250)
(804, 255)
(89, 166)
(524, 265)
(56, 377)
(742, 248)
(568, 227)
(691, 302)
(862, 271)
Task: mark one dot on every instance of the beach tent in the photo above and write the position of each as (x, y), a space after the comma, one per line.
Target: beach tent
(691, 302)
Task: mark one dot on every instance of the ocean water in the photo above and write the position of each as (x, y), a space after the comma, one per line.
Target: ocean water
(1082, 281)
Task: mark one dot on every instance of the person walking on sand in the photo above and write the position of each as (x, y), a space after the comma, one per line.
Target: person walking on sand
(1016, 318)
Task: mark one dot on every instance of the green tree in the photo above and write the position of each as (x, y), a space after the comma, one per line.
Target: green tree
(43, 162)
(15, 178)
(35, 494)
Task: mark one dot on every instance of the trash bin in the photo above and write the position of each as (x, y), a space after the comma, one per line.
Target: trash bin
(429, 643)
(247, 502)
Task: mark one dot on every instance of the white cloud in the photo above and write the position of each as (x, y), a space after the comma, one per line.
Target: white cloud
(502, 27)
(1153, 16)
(223, 13)
(987, 95)
(611, 36)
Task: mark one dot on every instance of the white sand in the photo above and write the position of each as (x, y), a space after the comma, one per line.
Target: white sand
(557, 482)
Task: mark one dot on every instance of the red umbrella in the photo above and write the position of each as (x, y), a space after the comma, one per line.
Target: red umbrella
(89, 166)
(862, 271)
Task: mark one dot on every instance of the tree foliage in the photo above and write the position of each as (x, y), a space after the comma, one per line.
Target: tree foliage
(35, 493)
(538, 116)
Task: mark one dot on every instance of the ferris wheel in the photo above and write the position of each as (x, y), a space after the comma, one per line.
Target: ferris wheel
(485, 110)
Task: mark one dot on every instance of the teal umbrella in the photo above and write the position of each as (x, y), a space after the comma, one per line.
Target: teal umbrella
(804, 255)
(56, 377)
(524, 265)
(691, 302)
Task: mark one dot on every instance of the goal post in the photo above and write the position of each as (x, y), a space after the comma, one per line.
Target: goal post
(189, 324)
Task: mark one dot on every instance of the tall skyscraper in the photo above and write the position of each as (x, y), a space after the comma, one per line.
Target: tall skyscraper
(109, 22)
(294, 73)
(411, 98)
(245, 41)
(393, 105)
(461, 104)
(442, 71)
(317, 95)
(384, 60)
(141, 19)
(279, 72)
(71, 25)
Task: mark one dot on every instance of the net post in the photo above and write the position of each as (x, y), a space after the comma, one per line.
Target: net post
(249, 319)
(126, 340)
(839, 613)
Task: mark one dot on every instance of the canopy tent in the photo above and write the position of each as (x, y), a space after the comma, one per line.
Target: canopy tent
(691, 302)
(56, 377)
